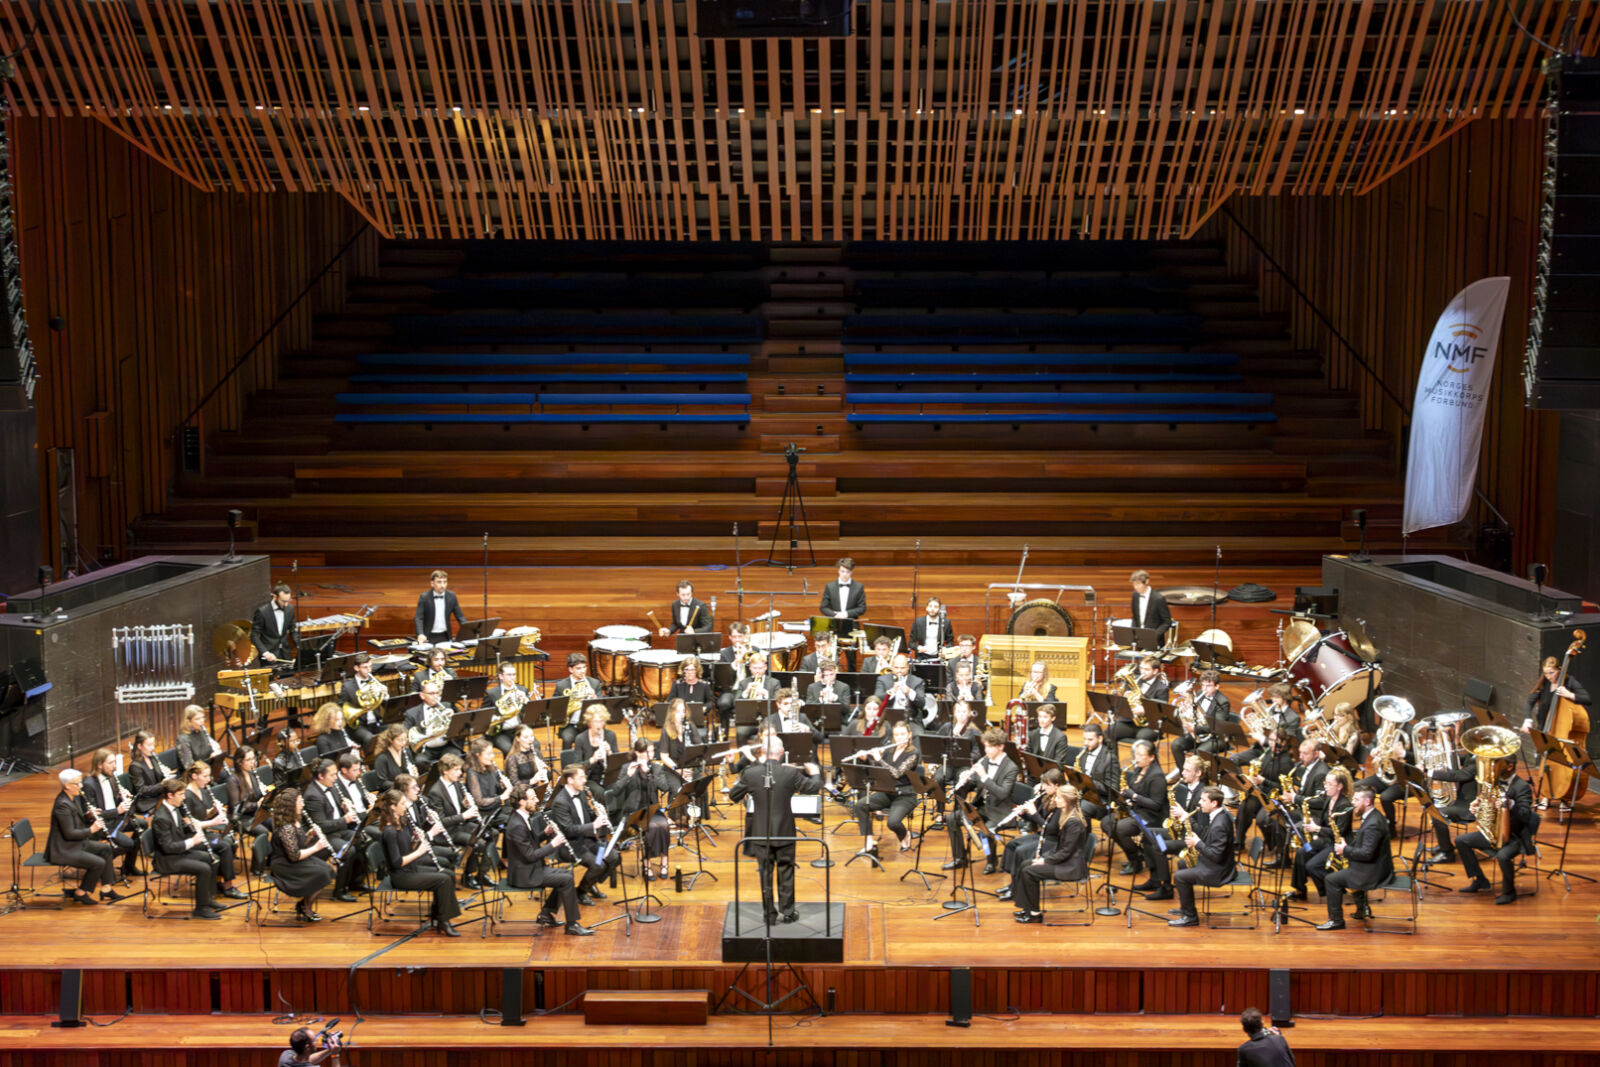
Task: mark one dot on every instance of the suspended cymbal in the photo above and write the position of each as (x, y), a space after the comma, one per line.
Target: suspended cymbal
(1298, 636)
(1360, 642)
(231, 642)
(1193, 594)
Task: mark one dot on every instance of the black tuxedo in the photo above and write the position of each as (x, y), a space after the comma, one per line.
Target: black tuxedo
(422, 622)
(1265, 1050)
(71, 844)
(327, 808)
(526, 866)
(1105, 771)
(574, 724)
(1056, 747)
(919, 633)
(771, 826)
(1216, 864)
(914, 705)
(576, 815)
(1157, 616)
(802, 720)
(854, 605)
(1146, 797)
(267, 635)
(1371, 865)
(680, 614)
(365, 728)
(174, 856)
(993, 799)
(815, 691)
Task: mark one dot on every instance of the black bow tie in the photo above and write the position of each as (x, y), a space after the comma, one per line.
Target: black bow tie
(438, 596)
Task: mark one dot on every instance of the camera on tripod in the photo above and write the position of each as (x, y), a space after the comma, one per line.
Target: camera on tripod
(791, 452)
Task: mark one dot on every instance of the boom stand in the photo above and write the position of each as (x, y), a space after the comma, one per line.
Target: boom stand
(792, 503)
(607, 850)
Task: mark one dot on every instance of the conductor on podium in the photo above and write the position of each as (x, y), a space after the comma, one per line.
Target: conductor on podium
(771, 785)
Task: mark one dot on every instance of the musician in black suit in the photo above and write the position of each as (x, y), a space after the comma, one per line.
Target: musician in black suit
(1099, 761)
(1064, 856)
(789, 719)
(845, 598)
(1208, 707)
(338, 822)
(503, 731)
(273, 626)
(1149, 609)
(531, 840)
(1517, 797)
(586, 827)
(461, 817)
(1184, 799)
(1367, 849)
(931, 631)
(116, 806)
(1305, 780)
(366, 726)
(1145, 795)
(431, 715)
(689, 615)
(771, 784)
(900, 689)
(993, 778)
(180, 848)
(824, 646)
(1047, 741)
(827, 689)
(436, 606)
(1464, 776)
(1264, 1046)
(577, 679)
(1216, 862)
(72, 842)
(1329, 812)
(963, 686)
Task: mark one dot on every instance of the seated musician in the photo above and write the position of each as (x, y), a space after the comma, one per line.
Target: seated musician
(1273, 759)
(289, 759)
(1047, 741)
(355, 794)
(147, 773)
(525, 763)
(844, 598)
(678, 732)
(902, 690)
(435, 669)
(116, 806)
(881, 657)
(931, 632)
(1152, 685)
(758, 685)
(1184, 802)
(272, 626)
(1062, 856)
(1280, 711)
(1031, 816)
(1436, 757)
(429, 721)
(420, 815)
(689, 616)
(533, 843)
(1388, 788)
(180, 849)
(964, 687)
(363, 727)
(1214, 864)
(992, 777)
(328, 726)
(963, 723)
(1328, 813)
(576, 687)
(789, 719)
(1038, 688)
(206, 814)
(1209, 707)
(450, 798)
(299, 857)
(412, 864)
(966, 651)
(194, 738)
(825, 646)
(827, 689)
(1367, 850)
(436, 606)
(504, 729)
(596, 744)
(1544, 696)
(1305, 778)
(899, 756)
(245, 794)
(394, 756)
(1098, 761)
(491, 790)
(72, 842)
(328, 809)
(587, 827)
(1144, 798)
(737, 653)
(1516, 796)
(640, 783)
(689, 686)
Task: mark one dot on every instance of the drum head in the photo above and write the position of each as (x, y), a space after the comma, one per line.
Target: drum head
(618, 646)
(1298, 635)
(1218, 638)
(623, 633)
(776, 641)
(231, 641)
(1040, 618)
(658, 657)
(1353, 688)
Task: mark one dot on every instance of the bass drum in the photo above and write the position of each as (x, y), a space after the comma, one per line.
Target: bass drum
(1331, 672)
(608, 659)
(1040, 618)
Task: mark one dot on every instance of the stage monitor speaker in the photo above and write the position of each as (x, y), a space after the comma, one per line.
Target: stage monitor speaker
(71, 1000)
(960, 997)
(1281, 1009)
(773, 18)
(1477, 691)
(511, 997)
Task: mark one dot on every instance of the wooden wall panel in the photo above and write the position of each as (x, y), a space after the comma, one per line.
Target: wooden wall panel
(161, 288)
(1383, 264)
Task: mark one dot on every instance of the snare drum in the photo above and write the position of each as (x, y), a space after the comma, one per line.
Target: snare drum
(1333, 674)
(608, 659)
(784, 651)
(654, 671)
(623, 633)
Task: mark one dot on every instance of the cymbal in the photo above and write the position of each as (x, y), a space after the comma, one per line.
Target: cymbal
(1193, 594)
(1298, 636)
(1360, 643)
(231, 642)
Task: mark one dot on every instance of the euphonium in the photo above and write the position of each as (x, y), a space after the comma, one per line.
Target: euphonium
(1395, 713)
(1437, 755)
(1489, 744)
(1255, 718)
(1132, 694)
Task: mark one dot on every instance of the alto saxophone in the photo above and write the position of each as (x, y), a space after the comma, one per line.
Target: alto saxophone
(1335, 862)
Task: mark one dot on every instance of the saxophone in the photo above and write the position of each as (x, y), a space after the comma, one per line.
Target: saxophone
(1132, 695)
(1285, 783)
(1335, 862)
(1178, 827)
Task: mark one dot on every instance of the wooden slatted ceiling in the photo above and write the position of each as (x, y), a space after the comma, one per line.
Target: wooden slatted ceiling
(960, 119)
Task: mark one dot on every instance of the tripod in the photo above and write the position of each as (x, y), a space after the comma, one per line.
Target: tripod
(795, 506)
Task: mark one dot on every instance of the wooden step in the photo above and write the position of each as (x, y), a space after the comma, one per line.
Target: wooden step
(653, 1007)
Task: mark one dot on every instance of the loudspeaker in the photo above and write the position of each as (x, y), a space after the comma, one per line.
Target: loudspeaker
(1479, 692)
(511, 997)
(71, 1000)
(1280, 1008)
(960, 997)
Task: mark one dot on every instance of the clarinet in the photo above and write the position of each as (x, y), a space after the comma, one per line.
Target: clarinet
(313, 832)
(438, 860)
(190, 830)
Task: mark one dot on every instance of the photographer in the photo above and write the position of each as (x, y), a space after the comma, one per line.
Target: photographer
(1266, 1046)
(307, 1046)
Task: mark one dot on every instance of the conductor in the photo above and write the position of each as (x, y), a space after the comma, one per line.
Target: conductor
(771, 784)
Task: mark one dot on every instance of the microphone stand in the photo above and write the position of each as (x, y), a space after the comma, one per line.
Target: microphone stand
(916, 562)
(485, 576)
(738, 572)
(1216, 584)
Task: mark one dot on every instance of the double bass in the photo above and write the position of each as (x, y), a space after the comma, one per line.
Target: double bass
(1568, 720)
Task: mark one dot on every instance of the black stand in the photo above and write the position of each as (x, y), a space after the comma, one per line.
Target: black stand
(1568, 754)
(638, 822)
(927, 789)
(973, 824)
(626, 918)
(1145, 833)
(794, 505)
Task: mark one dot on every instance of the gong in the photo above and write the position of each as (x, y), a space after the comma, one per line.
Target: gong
(1040, 618)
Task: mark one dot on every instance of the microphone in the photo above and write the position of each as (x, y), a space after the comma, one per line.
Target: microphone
(713, 604)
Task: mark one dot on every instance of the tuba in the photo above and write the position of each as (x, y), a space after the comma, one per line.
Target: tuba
(1489, 744)
(1436, 755)
(1395, 713)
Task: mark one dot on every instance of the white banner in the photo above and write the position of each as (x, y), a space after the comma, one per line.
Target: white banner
(1452, 395)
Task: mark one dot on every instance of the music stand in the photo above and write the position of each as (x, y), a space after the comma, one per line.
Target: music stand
(1141, 638)
(689, 644)
(638, 822)
(492, 651)
(975, 826)
(875, 630)
(1567, 754)
(865, 781)
(928, 788)
(473, 629)
(691, 801)
(610, 846)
